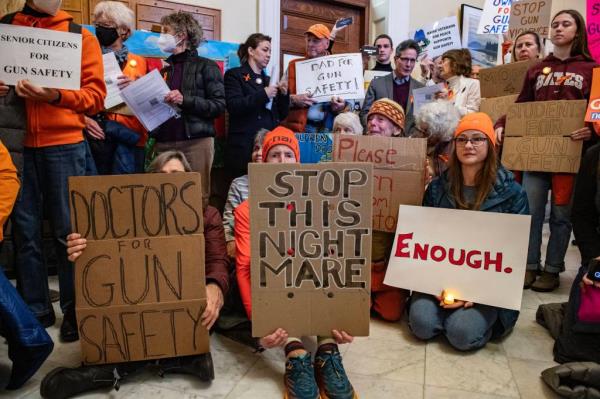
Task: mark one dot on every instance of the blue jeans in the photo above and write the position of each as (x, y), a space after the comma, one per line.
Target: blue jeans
(44, 186)
(537, 185)
(465, 328)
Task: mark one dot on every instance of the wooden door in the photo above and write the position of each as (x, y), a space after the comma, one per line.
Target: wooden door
(92, 5)
(78, 9)
(298, 15)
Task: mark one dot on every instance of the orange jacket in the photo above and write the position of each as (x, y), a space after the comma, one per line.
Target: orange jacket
(135, 68)
(62, 123)
(9, 186)
(296, 119)
(242, 254)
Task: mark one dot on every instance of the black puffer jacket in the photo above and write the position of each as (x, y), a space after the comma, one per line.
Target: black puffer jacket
(203, 94)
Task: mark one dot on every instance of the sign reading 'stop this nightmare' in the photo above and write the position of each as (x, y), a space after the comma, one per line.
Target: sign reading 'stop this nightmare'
(311, 247)
(46, 57)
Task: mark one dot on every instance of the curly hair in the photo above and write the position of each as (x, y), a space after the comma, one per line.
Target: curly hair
(441, 118)
(460, 61)
(184, 22)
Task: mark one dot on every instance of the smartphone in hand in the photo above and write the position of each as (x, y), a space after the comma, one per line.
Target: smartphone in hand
(344, 22)
(594, 270)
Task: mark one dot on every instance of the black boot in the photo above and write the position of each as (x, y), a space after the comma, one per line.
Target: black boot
(200, 366)
(68, 328)
(64, 382)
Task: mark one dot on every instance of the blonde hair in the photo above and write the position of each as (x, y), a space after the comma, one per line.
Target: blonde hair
(164, 157)
(116, 12)
(349, 120)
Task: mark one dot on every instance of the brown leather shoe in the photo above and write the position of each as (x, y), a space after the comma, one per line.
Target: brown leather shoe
(546, 283)
(530, 277)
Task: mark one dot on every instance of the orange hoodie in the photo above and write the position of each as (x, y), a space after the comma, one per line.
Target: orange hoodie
(9, 186)
(62, 123)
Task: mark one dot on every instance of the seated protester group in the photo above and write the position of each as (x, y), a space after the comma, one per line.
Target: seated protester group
(473, 181)
(327, 379)
(116, 137)
(66, 382)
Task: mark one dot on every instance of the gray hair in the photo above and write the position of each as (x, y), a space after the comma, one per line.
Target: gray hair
(441, 118)
(164, 157)
(116, 12)
(184, 22)
(349, 120)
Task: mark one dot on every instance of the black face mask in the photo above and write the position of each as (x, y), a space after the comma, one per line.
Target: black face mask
(106, 36)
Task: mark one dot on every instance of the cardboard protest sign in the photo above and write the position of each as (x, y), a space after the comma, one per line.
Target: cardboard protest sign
(315, 147)
(537, 136)
(398, 168)
(530, 15)
(338, 75)
(593, 110)
(496, 107)
(311, 248)
(139, 284)
(439, 250)
(437, 38)
(46, 57)
(505, 79)
(592, 22)
(495, 17)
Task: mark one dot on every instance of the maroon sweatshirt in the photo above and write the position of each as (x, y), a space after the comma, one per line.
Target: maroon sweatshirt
(215, 250)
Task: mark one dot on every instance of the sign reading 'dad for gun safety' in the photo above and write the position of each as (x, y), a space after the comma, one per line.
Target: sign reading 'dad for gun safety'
(439, 250)
(45, 57)
(339, 75)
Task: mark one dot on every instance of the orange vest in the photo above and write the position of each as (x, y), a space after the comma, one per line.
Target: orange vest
(296, 119)
(135, 68)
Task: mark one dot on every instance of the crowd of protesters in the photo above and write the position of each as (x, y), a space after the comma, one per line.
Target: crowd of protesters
(53, 134)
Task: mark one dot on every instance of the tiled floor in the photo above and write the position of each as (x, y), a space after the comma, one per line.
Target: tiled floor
(390, 363)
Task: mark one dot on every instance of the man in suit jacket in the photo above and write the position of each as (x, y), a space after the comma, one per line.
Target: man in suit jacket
(397, 86)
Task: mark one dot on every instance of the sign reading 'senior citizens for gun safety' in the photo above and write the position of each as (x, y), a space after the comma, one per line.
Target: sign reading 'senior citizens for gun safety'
(45, 57)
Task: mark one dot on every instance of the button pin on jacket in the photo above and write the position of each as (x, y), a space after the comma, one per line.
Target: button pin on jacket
(133, 63)
(546, 70)
(247, 77)
(258, 81)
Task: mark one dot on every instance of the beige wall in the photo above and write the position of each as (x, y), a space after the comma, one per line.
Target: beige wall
(239, 18)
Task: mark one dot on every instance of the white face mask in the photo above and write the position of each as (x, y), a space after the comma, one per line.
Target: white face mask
(167, 42)
(47, 6)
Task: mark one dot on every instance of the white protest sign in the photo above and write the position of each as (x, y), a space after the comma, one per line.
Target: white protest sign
(338, 75)
(475, 256)
(112, 71)
(45, 57)
(439, 37)
(495, 17)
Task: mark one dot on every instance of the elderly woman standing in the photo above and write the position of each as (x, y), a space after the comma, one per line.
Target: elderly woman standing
(253, 102)
(436, 122)
(196, 90)
(463, 91)
(114, 24)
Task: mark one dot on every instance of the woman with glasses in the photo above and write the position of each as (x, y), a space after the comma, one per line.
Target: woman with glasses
(474, 181)
(566, 74)
(463, 91)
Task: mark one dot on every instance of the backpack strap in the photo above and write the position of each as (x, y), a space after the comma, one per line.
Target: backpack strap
(74, 28)
(8, 18)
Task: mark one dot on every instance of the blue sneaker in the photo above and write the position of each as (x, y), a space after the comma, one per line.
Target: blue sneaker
(299, 378)
(331, 377)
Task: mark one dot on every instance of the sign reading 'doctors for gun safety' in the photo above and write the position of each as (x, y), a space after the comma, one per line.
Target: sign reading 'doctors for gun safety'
(437, 38)
(339, 75)
(311, 248)
(140, 283)
(537, 136)
(398, 168)
(495, 17)
(439, 250)
(504, 80)
(530, 15)
(45, 57)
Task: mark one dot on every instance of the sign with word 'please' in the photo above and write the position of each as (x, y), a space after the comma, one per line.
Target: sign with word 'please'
(47, 58)
(537, 136)
(310, 238)
(438, 249)
(140, 283)
(339, 75)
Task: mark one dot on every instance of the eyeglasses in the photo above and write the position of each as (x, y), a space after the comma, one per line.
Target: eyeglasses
(475, 141)
(407, 60)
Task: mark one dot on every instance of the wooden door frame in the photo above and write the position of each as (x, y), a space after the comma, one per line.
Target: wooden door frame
(269, 23)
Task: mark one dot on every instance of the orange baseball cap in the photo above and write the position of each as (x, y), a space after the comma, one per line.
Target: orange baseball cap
(319, 30)
(477, 121)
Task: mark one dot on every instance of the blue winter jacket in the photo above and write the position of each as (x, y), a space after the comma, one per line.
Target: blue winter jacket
(507, 196)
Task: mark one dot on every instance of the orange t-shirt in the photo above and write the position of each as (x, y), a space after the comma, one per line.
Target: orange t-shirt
(242, 253)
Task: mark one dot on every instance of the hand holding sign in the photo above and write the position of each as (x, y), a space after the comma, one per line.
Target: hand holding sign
(448, 302)
(302, 100)
(214, 303)
(75, 246)
(337, 104)
(174, 97)
(30, 91)
(585, 133)
(3, 89)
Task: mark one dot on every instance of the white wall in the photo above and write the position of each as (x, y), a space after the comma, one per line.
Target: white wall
(239, 18)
